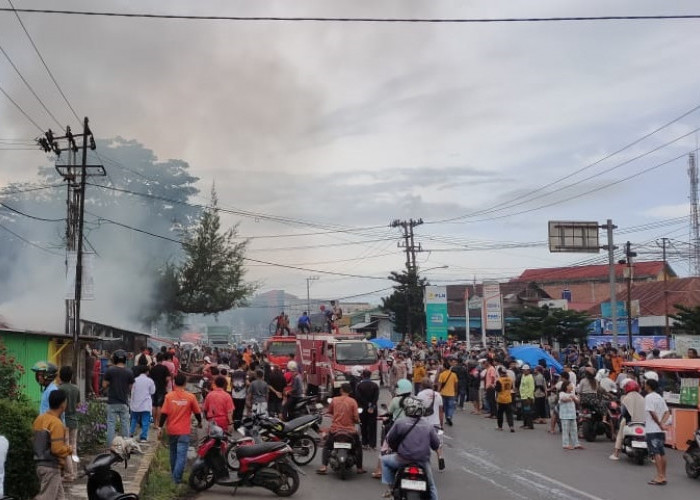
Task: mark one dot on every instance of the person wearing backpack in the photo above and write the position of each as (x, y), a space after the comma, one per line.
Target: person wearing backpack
(411, 440)
(433, 413)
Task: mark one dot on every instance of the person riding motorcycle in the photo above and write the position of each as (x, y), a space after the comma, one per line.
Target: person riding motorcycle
(403, 389)
(411, 440)
(344, 412)
(632, 411)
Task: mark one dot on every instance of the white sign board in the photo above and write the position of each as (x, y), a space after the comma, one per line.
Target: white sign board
(493, 309)
(436, 295)
(572, 236)
(685, 342)
(554, 304)
(87, 290)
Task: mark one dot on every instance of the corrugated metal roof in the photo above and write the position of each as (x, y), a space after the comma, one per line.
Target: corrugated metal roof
(597, 272)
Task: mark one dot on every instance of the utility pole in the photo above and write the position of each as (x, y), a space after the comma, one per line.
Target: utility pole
(308, 292)
(667, 330)
(610, 247)
(76, 179)
(410, 248)
(629, 254)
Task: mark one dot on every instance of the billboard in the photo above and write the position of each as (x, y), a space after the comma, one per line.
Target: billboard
(640, 343)
(436, 312)
(493, 307)
(573, 236)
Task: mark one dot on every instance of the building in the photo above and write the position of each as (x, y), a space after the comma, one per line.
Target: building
(374, 324)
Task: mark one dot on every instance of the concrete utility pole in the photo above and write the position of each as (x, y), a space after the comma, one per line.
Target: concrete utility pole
(629, 254)
(667, 329)
(610, 247)
(308, 293)
(76, 215)
(411, 249)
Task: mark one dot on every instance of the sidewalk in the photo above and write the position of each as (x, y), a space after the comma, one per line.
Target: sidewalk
(133, 476)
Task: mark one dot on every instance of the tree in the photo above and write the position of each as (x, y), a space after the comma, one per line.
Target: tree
(687, 319)
(408, 291)
(543, 323)
(211, 277)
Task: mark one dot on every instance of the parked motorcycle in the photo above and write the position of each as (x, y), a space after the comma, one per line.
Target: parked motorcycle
(634, 442)
(411, 483)
(692, 457)
(266, 465)
(307, 405)
(591, 422)
(300, 433)
(104, 483)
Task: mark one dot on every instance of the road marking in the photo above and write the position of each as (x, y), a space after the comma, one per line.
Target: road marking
(564, 485)
(495, 483)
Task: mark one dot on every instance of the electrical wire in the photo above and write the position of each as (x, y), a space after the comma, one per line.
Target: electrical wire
(8, 191)
(31, 89)
(415, 20)
(34, 217)
(38, 53)
(26, 115)
(31, 243)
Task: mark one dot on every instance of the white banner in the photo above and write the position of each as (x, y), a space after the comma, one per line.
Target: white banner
(87, 290)
(436, 295)
(493, 311)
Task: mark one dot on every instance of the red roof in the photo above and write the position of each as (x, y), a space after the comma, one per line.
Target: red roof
(651, 295)
(592, 273)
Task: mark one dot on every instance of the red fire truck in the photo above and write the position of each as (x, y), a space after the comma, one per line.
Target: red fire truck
(327, 359)
(278, 350)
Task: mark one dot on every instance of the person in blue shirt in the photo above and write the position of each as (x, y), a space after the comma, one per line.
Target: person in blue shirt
(304, 323)
(45, 375)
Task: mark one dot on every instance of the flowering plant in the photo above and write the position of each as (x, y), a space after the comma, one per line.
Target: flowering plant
(92, 426)
(10, 373)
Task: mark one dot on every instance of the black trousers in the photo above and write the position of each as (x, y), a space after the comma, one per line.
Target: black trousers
(328, 449)
(528, 411)
(491, 398)
(238, 408)
(368, 427)
(506, 408)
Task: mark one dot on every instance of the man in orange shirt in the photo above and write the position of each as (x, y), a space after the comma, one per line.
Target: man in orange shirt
(177, 411)
(218, 405)
(343, 410)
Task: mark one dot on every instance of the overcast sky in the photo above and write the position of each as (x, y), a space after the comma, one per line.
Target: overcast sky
(357, 124)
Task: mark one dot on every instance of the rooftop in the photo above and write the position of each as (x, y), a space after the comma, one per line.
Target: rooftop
(642, 270)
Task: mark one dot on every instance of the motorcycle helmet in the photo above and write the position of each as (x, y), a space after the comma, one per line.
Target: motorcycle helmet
(356, 371)
(519, 363)
(403, 387)
(651, 375)
(602, 373)
(216, 432)
(119, 356)
(630, 385)
(292, 366)
(46, 370)
(413, 407)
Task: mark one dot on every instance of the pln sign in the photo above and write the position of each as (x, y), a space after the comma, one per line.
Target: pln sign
(436, 312)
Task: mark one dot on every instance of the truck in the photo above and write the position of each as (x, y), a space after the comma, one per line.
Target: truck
(219, 336)
(327, 360)
(278, 350)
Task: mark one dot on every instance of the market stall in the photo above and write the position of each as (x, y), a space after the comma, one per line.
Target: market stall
(679, 379)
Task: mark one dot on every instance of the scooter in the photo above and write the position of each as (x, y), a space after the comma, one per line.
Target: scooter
(307, 405)
(592, 424)
(343, 456)
(210, 466)
(266, 465)
(692, 457)
(104, 483)
(411, 483)
(300, 433)
(634, 442)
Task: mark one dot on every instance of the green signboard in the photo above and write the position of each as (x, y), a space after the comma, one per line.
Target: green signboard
(689, 391)
(436, 312)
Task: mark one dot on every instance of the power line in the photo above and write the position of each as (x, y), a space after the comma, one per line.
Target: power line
(29, 215)
(38, 53)
(415, 20)
(25, 240)
(508, 204)
(7, 191)
(21, 110)
(31, 89)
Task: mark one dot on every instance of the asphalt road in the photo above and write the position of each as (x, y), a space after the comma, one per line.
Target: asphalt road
(483, 464)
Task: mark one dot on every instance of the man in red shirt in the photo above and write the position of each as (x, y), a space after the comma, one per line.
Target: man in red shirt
(343, 410)
(177, 411)
(218, 405)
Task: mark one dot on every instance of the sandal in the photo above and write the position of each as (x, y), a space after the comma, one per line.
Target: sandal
(376, 475)
(654, 482)
(322, 472)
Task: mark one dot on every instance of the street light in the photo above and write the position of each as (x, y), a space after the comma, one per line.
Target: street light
(308, 292)
(433, 268)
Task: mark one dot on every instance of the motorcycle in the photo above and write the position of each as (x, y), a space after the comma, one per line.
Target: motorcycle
(104, 483)
(411, 483)
(634, 442)
(300, 433)
(307, 405)
(614, 415)
(266, 465)
(343, 456)
(692, 457)
(592, 423)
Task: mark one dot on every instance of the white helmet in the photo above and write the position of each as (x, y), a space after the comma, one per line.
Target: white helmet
(292, 366)
(519, 363)
(602, 373)
(356, 371)
(525, 366)
(651, 375)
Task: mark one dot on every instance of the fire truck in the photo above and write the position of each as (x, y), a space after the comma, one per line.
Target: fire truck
(279, 348)
(327, 359)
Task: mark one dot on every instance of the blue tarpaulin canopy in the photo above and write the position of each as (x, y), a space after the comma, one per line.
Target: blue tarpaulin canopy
(383, 343)
(531, 354)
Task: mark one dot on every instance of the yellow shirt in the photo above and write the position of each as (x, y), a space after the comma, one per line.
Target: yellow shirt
(448, 383)
(505, 395)
(419, 374)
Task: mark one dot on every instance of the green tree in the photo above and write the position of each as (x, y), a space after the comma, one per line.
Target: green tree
(407, 299)
(536, 323)
(211, 277)
(687, 319)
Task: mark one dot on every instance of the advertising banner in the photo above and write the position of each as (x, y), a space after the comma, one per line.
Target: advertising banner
(87, 291)
(685, 342)
(493, 305)
(640, 342)
(436, 312)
